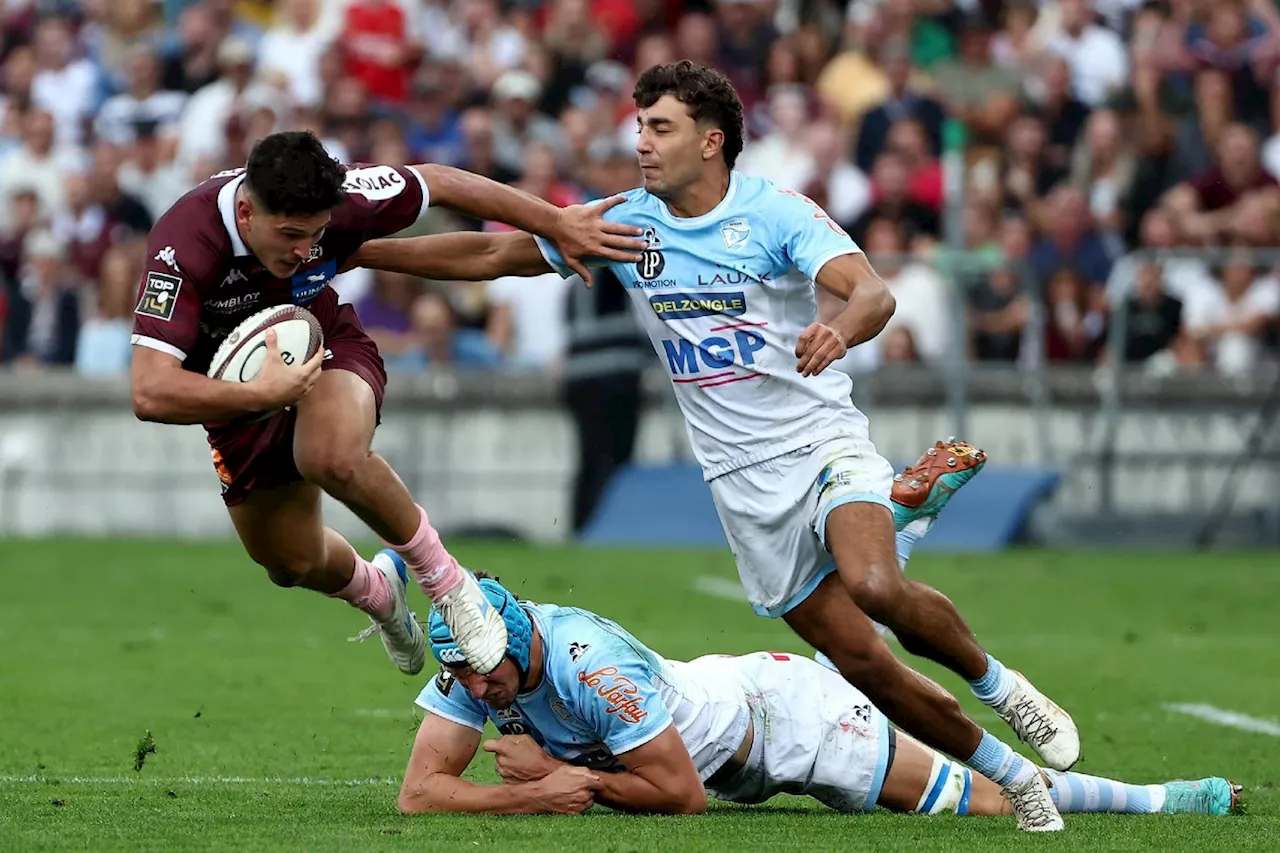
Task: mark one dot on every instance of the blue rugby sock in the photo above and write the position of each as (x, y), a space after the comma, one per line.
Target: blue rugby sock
(998, 762)
(1076, 792)
(995, 685)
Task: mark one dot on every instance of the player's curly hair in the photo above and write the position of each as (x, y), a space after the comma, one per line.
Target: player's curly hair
(291, 174)
(707, 93)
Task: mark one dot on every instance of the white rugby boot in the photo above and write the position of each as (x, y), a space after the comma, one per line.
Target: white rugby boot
(402, 636)
(1041, 724)
(1033, 805)
(474, 623)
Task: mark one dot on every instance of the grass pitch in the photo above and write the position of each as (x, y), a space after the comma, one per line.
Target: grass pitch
(257, 727)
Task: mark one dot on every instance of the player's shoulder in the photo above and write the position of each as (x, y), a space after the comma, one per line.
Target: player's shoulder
(579, 642)
(757, 193)
(636, 202)
(196, 227)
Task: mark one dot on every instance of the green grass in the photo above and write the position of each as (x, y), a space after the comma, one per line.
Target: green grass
(106, 640)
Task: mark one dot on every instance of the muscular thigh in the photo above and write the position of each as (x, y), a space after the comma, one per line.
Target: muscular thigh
(281, 527)
(341, 413)
(860, 536)
(337, 418)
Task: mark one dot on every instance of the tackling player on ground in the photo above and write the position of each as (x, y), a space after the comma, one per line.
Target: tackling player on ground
(802, 494)
(277, 232)
(588, 714)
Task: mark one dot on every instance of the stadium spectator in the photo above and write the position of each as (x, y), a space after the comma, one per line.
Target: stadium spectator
(517, 121)
(144, 100)
(1153, 317)
(46, 307)
(782, 155)
(191, 63)
(293, 48)
(923, 301)
(39, 165)
(903, 102)
(835, 183)
(102, 347)
(980, 93)
(890, 190)
(1102, 168)
(64, 84)
(436, 341)
(384, 311)
(1075, 321)
(378, 48)
(1029, 172)
(1099, 65)
(1070, 240)
(1222, 203)
(1228, 323)
(1063, 115)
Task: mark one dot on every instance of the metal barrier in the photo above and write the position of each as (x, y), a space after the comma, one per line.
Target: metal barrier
(1250, 403)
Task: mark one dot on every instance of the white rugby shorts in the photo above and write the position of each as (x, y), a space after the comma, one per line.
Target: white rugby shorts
(815, 735)
(774, 514)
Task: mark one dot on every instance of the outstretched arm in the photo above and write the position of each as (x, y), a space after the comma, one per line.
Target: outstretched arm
(578, 231)
(443, 749)
(459, 256)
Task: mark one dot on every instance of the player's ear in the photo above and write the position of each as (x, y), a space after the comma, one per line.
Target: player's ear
(244, 208)
(712, 142)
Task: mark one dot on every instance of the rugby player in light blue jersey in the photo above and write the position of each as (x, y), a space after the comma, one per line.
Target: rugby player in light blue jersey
(725, 288)
(588, 714)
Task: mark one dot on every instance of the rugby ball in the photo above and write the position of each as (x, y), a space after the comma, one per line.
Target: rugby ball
(240, 357)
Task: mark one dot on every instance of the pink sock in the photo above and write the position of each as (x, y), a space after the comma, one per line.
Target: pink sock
(368, 590)
(434, 568)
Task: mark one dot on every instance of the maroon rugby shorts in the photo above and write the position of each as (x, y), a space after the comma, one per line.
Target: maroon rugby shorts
(258, 455)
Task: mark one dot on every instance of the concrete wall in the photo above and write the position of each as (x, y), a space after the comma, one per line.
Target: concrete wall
(98, 471)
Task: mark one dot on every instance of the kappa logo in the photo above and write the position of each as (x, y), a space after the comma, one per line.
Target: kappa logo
(168, 257)
(233, 277)
(736, 232)
(577, 650)
(315, 253)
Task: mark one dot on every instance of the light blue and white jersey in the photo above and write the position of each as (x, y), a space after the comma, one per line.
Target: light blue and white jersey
(604, 693)
(717, 296)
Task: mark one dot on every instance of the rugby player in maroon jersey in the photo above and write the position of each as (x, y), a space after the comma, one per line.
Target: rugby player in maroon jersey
(276, 233)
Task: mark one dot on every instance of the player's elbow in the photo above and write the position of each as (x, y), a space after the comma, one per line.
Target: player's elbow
(695, 802)
(146, 403)
(883, 302)
(417, 798)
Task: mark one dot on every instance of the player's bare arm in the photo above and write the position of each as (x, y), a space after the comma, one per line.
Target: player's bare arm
(869, 305)
(457, 256)
(433, 784)
(579, 231)
(659, 776)
(165, 393)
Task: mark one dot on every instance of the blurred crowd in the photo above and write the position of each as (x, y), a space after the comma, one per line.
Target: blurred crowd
(1091, 128)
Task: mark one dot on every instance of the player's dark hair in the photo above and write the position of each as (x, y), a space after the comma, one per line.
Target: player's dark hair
(708, 94)
(291, 174)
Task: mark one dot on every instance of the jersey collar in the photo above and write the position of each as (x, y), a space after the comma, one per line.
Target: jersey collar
(227, 209)
(712, 215)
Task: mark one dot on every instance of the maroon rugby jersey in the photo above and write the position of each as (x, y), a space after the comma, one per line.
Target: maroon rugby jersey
(201, 280)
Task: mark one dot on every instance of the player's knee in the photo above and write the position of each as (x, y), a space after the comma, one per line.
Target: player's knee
(878, 592)
(331, 469)
(285, 571)
(864, 662)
